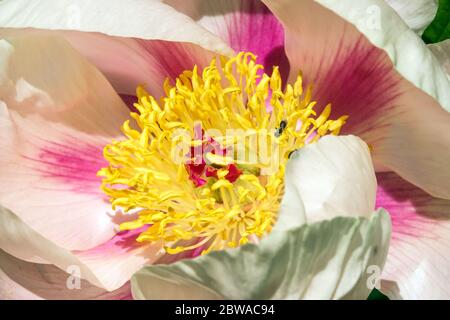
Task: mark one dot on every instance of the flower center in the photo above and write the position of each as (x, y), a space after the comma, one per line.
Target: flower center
(204, 166)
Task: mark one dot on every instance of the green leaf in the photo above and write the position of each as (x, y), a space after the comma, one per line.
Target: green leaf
(324, 260)
(439, 29)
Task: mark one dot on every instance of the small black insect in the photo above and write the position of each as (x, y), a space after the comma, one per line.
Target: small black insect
(279, 131)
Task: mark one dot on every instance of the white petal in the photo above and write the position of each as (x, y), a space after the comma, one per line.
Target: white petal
(334, 177)
(417, 14)
(396, 117)
(108, 266)
(441, 51)
(325, 260)
(20, 280)
(131, 44)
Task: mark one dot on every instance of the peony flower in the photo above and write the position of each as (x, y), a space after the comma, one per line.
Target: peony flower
(90, 190)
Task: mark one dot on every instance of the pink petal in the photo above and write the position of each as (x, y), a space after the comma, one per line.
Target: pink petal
(57, 113)
(108, 40)
(129, 100)
(115, 261)
(418, 262)
(246, 25)
(166, 59)
(129, 62)
(109, 265)
(403, 125)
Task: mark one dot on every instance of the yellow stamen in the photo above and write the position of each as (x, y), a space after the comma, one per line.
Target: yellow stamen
(232, 205)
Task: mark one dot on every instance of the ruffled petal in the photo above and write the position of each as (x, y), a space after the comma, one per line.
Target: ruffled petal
(441, 51)
(56, 114)
(246, 25)
(292, 210)
(418, 263)
(132, 44)
(20, 280)
(417, 14)
(402, 124)
(333, 177)
(325, 260)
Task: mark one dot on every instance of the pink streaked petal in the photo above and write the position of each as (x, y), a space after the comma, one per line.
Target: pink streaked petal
(441, 52)
(402, 124)
(115, 261)
(20, 280)
(122, 242)
(385, 29)
(246, 25)
(71, 162)
(109, 40)
(418, 262)
(110, 265)
(172, 258)
(56, 114)
(357, 79)
(129, 62)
